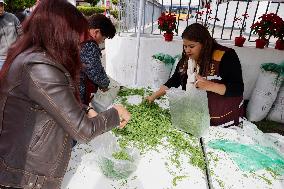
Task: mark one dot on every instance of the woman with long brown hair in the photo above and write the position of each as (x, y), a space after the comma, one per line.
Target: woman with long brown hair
(218, 72)
(41, 113)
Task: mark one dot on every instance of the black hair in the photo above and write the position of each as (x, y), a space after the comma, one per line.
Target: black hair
(199, 33)
(100, 21)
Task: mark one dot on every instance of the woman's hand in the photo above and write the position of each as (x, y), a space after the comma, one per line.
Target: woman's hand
(92, 113)
(206, 85)
(150, 99)
(123, 114)
(157, 94)
(202, 83)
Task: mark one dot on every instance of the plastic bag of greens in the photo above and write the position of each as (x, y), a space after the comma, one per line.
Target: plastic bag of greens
(161, 72)
(277, 110)
(265, 92)
(189, 110)
(161, 66)
(115, 162)
(177, 59)
(165, 58)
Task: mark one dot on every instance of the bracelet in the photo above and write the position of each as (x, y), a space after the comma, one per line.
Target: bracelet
(88, 109)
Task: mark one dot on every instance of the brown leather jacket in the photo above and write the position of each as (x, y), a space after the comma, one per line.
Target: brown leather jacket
(39, 118)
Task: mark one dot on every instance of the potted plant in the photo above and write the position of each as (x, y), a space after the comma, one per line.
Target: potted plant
(280, 35)
(167, 22)
(240, 40)
(265, 28)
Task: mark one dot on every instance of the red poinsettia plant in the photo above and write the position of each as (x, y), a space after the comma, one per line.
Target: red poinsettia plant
(207, 12)
(167, 22)
(240, 40)
(269, 25)
(279, 33)
(239, 20)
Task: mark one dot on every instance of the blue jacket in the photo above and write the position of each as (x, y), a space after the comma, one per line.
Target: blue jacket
(10, 29)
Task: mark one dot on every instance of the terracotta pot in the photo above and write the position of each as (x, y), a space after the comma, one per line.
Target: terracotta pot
(168, 36)
(260, 43)
(239, 41)
(279, 44)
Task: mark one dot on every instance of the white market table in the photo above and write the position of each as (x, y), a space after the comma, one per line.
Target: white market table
(152, 173)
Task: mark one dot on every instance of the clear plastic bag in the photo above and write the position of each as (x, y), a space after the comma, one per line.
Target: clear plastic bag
(115, 168)
(189, 110)
(102, 100)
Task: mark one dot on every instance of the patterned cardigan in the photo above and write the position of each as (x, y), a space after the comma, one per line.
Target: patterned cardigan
(93, 70)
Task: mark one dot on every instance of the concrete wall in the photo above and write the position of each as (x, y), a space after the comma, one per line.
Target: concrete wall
(121, 59)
